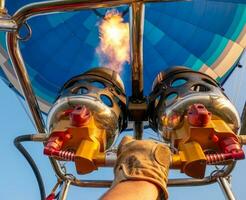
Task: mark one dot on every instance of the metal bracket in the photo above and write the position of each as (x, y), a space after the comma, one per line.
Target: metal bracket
(137, 110)
(6, 21)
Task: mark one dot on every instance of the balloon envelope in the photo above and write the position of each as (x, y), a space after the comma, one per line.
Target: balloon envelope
(205, 35)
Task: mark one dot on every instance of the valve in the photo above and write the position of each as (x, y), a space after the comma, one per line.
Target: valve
(199, 132)
(191, 112)
(198, 115)
(86, 119)
(79, 116)
(81, 141)
(56, 141)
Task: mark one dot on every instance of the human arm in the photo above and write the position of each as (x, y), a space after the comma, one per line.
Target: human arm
(132, 190)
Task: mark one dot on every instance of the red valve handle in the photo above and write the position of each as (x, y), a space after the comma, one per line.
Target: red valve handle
(198, 115)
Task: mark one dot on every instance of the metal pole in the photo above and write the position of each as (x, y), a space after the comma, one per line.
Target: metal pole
(48, 7)
(2, 5)
(226, 188)
(138, 130)
(64, 190)
(23, 78)
(136, 34)
(6, 22)
(24, 81)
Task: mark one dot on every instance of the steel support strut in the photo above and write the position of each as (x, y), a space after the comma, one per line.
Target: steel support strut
(64, 190)
(24, 81)
(226, 188)
(136, 31)
(136, 35)
(2, 5)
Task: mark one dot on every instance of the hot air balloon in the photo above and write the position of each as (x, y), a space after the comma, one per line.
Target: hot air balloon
(58, 65)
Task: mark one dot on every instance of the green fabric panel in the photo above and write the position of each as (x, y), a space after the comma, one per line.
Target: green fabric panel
(217, 50)
(238, 23)
(194, 62)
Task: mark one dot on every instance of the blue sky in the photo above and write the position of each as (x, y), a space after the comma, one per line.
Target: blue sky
(17, 179)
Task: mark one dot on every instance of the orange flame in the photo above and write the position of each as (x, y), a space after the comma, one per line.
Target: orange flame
(114, 48)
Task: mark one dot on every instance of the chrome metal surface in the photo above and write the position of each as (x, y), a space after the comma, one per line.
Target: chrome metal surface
(7, 23)
(171, 182)
(24, 81)
(218, 105)
(110, 159)
(103, 85)
(64, 190)
(138, 128)
(101, 91)
(136, 37)
(2, 4)
(47, 7)
(107, 74)
(92, 183)
(104, 116)
(28, 34)
(226, 188)
(23, 78)
(39, 137)
(197, 88)
(205, 181)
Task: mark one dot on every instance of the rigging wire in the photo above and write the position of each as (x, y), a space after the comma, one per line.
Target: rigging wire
(24, 152)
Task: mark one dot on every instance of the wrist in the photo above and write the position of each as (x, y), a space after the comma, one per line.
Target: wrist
(133, 189)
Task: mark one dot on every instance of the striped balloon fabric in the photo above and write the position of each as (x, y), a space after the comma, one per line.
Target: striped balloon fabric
(205, 35)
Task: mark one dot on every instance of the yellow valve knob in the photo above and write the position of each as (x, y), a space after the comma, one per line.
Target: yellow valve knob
(191, 160)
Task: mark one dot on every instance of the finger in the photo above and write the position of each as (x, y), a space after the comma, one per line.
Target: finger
(125, 140)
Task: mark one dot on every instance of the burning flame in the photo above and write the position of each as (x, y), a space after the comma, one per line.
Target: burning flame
(114, 48)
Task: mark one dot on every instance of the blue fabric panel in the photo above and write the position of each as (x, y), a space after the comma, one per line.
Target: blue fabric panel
(190, 33)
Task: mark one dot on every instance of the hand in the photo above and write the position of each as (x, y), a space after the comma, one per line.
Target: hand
(143, 160)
